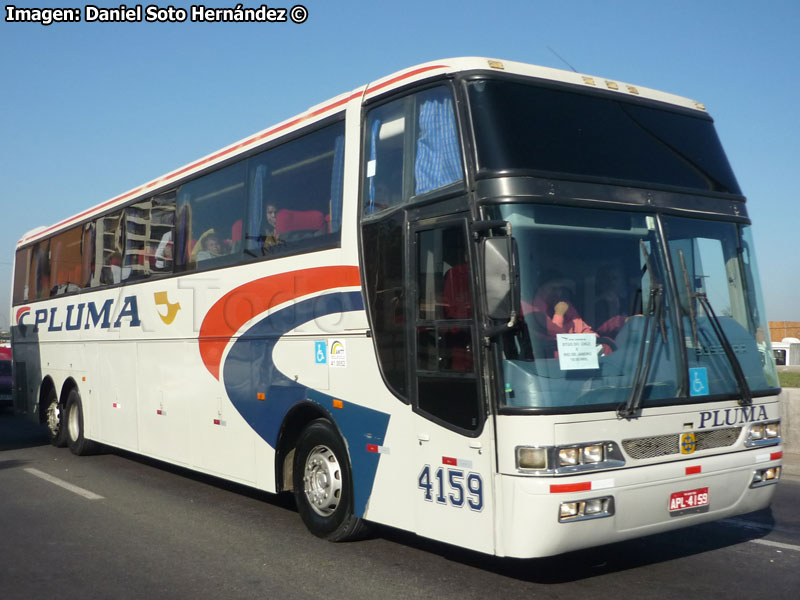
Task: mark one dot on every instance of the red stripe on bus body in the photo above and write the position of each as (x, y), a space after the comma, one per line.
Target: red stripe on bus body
(694, 470)
(195, 165)
(380, 86)
(240, 305)
(243, 144)
(562, 488)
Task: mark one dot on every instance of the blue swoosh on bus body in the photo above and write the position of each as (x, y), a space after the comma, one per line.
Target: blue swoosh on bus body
(249, 370)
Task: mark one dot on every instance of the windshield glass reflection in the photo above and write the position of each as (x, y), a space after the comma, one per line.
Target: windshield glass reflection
(598, 320)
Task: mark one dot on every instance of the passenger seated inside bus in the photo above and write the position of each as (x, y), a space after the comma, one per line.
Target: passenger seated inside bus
(269, 235)
(208, 246)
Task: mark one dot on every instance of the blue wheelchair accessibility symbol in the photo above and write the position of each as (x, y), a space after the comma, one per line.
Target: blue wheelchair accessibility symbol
(698, 381)
(321, 352)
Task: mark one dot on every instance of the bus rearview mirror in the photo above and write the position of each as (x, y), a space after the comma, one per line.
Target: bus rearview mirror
(499, 275)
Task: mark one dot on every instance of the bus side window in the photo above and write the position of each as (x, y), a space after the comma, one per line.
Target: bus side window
(148, 236)
(295, 194)
(21, 276)
(207, 210)
(65, 262)
(386, 132)
(40, 270)
(108, 250)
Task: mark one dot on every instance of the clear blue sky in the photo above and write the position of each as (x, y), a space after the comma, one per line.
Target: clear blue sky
(90, 110)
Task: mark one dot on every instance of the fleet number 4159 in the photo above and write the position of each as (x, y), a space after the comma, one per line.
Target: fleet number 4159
(452, 486)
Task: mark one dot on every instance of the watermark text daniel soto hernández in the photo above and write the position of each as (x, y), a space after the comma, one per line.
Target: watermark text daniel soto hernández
(153, 13)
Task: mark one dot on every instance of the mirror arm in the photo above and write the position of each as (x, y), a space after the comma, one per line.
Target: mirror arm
(482, 228)
(492, 331)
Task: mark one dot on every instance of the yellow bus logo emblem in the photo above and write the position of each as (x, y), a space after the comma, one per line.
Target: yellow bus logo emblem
(162, 299)
(688, 443)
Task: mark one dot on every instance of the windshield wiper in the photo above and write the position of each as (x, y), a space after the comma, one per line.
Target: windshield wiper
(654, 319)
(690, 298)
(736, 366)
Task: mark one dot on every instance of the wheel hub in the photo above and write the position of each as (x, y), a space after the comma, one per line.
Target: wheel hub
(322, 481)
(53, 418)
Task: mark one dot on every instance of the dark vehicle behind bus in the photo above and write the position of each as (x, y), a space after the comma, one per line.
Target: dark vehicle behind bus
(5, 376)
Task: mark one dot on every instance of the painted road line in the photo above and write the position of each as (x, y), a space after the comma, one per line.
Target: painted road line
(61, 483)
(777, 545)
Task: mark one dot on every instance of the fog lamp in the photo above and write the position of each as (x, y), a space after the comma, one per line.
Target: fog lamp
(568, 510)
(766, 476)
(595, 506)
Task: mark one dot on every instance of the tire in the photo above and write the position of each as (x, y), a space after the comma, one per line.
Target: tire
(73, 421)
(323, 484)
(54, 419)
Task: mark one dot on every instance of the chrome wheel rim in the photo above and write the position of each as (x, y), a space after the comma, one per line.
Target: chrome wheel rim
(73, 422)
(322, 481)
(54, 418)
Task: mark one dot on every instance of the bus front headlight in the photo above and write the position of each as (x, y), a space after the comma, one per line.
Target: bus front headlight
(592, 454)
(568, 457)
(764, 434)
(531, 459)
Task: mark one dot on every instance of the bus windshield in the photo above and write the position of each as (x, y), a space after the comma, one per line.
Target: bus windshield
(599, 312)
(525, 128)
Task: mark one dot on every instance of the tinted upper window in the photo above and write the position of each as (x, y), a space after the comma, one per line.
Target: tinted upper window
(412, 148)
(522, 127)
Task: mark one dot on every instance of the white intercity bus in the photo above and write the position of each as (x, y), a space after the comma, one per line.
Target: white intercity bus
(503, 306)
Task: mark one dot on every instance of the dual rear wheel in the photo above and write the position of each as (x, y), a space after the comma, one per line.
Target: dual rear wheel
(65, 425)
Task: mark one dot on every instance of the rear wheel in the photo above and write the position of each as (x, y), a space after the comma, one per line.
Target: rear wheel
(323, 484)
(76, 440)
(54, 418)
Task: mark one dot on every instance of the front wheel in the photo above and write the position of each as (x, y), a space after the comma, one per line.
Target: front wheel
(323, 484)
(76, 440)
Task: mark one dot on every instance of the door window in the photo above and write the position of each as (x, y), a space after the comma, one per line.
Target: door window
(446, 381)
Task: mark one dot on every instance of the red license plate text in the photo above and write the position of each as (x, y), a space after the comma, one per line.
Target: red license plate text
(688, 499)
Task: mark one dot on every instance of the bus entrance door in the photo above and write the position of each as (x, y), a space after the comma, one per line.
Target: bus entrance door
(455, 440)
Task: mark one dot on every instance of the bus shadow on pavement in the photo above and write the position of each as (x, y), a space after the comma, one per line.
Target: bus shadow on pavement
(602, 560)
(283, 500)
(17, 432)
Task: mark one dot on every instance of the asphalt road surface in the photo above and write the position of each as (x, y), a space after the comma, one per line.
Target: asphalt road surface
(135, 528)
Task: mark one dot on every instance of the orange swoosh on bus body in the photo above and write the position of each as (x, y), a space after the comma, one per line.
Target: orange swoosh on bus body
(238, 306)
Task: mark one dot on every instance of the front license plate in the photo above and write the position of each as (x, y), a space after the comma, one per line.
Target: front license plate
(688, 501)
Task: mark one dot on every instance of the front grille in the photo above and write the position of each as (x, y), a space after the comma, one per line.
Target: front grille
(665, 445)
